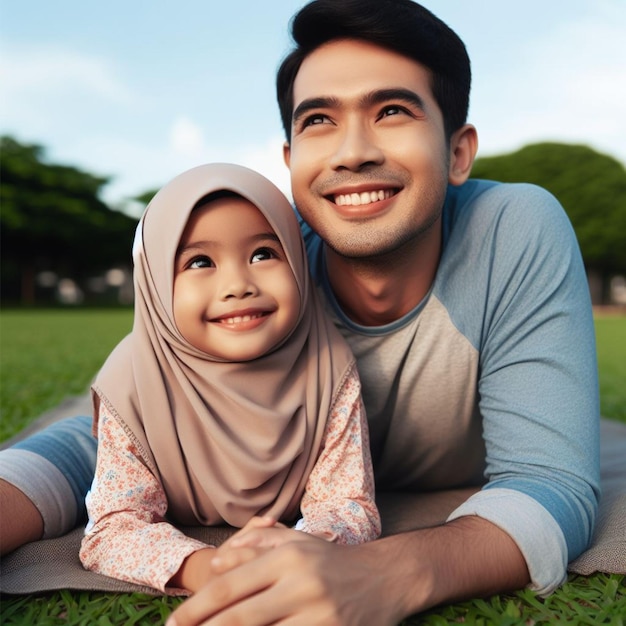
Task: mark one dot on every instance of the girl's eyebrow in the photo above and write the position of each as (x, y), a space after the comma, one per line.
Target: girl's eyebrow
(203, 244)
(191, 246)
(271, 235)
(373, 97)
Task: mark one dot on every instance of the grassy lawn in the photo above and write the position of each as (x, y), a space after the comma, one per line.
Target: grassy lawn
(611, 347)
(48, 355)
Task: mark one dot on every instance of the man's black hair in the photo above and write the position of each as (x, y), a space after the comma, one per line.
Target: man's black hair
(402, 26)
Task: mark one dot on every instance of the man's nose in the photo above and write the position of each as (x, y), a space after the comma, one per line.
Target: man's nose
(356, 148)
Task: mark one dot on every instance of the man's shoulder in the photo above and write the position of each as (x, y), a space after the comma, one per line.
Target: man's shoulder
(482, 207)
(499, 238)
(496, 196)
(492, 228)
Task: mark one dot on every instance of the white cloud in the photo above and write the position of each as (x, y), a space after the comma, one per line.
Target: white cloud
(567, 86)
(58, 98)
(267, 159)
(187, 138)
(137, 167)
(29, 71)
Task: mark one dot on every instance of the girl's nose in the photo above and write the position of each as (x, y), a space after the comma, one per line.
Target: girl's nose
(237, 283)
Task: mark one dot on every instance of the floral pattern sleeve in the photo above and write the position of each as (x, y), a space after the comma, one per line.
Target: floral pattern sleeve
(339, 495)
(127, 536)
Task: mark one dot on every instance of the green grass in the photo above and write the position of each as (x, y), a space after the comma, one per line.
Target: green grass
(87, 609)
(611, 348)
(48, 355)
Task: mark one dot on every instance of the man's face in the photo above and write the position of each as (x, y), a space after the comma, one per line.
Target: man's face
(368, 156)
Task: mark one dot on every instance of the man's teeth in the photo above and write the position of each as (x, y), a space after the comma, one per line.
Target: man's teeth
(240, 318)
(366, 197)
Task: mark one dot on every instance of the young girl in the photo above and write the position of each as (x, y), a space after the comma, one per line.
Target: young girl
(233, 396)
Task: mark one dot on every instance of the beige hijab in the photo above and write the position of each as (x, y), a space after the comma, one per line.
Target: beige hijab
(227, 440)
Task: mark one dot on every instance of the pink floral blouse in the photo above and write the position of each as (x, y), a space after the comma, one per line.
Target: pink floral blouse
(128, 538)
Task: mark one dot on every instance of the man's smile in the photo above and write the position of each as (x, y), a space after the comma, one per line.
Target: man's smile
(365, 197)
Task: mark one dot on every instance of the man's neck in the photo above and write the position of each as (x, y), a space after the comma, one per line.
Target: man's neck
(378, 291)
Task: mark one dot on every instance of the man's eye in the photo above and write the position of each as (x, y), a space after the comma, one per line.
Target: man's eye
(391, 110)
(200, 262)
(313, 120)
(262, 254)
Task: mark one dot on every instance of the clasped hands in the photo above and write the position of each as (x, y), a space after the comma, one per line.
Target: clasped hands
(251, 595)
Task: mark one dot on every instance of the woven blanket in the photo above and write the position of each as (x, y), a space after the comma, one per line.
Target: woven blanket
(53, 563)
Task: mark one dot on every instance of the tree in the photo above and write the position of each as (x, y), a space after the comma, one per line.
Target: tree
(145, 198)
(590, 186)
(53, 219)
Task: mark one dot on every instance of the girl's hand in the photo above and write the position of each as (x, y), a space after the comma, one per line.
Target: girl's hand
(255, 523)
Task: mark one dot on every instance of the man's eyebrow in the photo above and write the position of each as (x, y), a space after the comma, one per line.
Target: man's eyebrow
(374, 97)
(395, 93)
(320, 102)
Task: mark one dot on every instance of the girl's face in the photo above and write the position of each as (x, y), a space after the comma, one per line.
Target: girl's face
(235, 296)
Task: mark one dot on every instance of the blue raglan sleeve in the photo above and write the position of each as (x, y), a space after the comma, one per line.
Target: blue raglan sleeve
(538, 388)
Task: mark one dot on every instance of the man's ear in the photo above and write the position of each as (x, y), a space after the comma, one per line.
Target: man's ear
(463, 148)
(286, 153)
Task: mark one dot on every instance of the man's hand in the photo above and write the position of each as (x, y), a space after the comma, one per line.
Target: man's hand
(310, 581)
(315, 582)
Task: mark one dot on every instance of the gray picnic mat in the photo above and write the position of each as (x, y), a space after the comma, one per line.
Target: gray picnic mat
(53, 563)
(607, 552)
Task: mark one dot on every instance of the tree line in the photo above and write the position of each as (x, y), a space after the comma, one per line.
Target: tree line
(53, 221)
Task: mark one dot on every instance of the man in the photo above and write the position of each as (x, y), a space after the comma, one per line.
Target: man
(466, 305)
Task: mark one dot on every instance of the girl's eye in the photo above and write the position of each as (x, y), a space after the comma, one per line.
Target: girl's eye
(262, 254)
(200, 262)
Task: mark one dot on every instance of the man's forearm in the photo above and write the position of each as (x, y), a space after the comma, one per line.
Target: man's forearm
(20, 519)
(466, 558)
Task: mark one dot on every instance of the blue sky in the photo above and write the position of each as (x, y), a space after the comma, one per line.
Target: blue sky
(140, 90)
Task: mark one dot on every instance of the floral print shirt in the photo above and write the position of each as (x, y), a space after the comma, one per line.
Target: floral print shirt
(128, 537)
